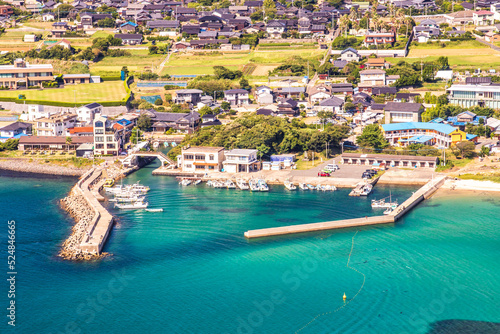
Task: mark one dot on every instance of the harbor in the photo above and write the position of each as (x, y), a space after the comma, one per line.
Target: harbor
(423, 193)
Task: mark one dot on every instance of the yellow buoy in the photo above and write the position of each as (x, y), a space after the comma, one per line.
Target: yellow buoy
(344, 297)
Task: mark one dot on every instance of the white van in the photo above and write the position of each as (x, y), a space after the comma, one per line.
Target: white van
(332, 167)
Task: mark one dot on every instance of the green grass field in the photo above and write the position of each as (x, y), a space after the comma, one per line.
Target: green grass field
(137, 62)
(193, 63)
(80, 94)
(451, 45)
(485, 61)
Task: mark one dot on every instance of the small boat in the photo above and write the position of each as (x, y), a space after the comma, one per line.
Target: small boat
(154, 210)
(253, 185)
(108, 183)
(366, 190)
(218, 184)
(230, 184)
(319, 187)
(116, 189)
(329, 188)
(127, 199)
(303, 186)
(310, 186)
(263, 185)
(185, 182)
(242, 184)
(197, 182)
(290, 186)
(388, 211)
(383, 204)
(135, 205)
(138, 187)
(210, 183)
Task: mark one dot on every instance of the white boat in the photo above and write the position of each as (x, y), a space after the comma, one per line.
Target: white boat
(230, 184)
(197, 182)
(310, 186)
(138, 187)
(135, 205)
(253, 185)
(242, 184)
(366, 190)
(185, 182)
(154, 210)
(290, 186)
(388, 211)
(263, 185)
(218, 184)
(116, 189)
(210, 183)
(303, 186)
(127, 199)
(383, 204)
(328, 187)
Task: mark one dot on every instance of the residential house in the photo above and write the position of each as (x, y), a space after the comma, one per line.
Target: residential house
(467, 96)
(163, 25)
(209, 120)
(406, 97)
(349, 55)
(192, 96)
(401, 112)
(59, 29)
(71, 79)
(482, 18)
(341, 88)
(464, 118)
(130, 39)
(241, 161)
(377, 64)
(88, 112)
(48, 17)
(372, 77)
(333, 104)
(290, 92)
(128, 27)
(459, 18)
(15, 130)
(275, 28)
(55, 125)
(379, 38)
(319, 93)
(181, 122)
(80, 131)
(441, 135)
(107, 141)
(287, 107)
(201, 159)
(236, 96)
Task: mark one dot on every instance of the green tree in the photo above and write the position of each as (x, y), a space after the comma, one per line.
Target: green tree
(158, 102)
(153, 49)
(485, 151)
(225, 105)
(135, 135)
(206, 110)
(464, 149)
(372, 137)
(244, 84)
(144, 122)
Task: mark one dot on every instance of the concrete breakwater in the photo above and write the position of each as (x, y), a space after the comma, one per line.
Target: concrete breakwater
(25, 166)
(93, 221)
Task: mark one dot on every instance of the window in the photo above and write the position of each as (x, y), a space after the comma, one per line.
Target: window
(188, 157)
(211, 157)
(99, 131)
(200, 167)
(199, 157)
(99, 139)
(99, 124)
(109, 138)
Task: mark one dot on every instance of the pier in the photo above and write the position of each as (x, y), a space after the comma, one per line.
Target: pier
(423, 193)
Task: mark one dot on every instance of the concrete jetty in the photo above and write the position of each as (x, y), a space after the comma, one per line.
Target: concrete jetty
(423, 193)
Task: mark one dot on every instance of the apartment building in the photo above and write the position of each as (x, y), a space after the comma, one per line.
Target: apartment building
(55, 125)
(483, 95)
(107, 141)
(380, 38)
(88, 112)
(23, 74)
(241, 160)
(201, 159)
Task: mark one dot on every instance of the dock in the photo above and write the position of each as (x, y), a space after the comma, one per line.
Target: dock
(423, 193)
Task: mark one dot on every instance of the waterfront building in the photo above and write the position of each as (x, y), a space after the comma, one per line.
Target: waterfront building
(107, 141)
(201, 159)
(241, 160)
(389, 160)
(81, 131)
(24, 74)
(55, 125)
(27, 143)
(15, 130)
(483, 95)
(441, 135)
(400, 112)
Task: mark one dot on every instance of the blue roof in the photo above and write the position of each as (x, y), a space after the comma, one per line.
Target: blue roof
(124, 122)
(469, 136)
(128, 22)
(437, 120)
(443, 128)
(420, 139)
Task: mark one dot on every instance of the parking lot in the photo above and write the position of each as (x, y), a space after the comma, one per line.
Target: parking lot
(344, 171)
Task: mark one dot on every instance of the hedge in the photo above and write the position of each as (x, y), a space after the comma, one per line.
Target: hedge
(111, 78)
(274, 44)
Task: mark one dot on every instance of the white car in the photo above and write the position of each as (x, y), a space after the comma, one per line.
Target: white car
(332, 167)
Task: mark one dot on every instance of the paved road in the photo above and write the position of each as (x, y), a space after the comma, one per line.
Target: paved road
(496, 48)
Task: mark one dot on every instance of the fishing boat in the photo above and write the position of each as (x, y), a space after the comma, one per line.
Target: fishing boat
(138, 187)
(135, 205)
(366, 190)
(218, 184)
(116, 189)
(197, 182)
(185, 182)
(290, 186)
(253, 185)
(262, 185)
(388, 211)
(310, 186)
(303, 186)
(108, 183)
(230, 184)
(154, 210)
(242, 184)
(382, 203)
(127, 199)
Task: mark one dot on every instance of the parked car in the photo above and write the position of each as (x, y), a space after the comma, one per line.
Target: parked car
(331, 167)
(324, 173)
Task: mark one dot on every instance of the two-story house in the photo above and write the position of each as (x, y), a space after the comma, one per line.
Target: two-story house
(379, 38)
(181, 122)
(201, 159)
(349, 55)
(482, 18)
(400, 112)
(241, 160)
(88, 112)
(192, 96)
(14, 130)
(55, 125)
(275, 28)
(236, 97)
(372, 77)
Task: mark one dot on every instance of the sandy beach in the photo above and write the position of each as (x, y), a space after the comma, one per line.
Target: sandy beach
(471, 185)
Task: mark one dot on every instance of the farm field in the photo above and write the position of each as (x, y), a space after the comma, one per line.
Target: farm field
(484, 60)
(450, 45)
(414, 53)
(137, 62)
(80, 94)
(193, 63)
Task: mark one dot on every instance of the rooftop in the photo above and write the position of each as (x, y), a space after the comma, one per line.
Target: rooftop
(203, 149)
(443, 128)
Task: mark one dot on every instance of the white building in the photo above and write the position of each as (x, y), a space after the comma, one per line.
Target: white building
(372, 77)
(241, 160)
(87, 113)
(107, 141)
(55, 125)
(236, 97)
(34, 112)
(201, 159)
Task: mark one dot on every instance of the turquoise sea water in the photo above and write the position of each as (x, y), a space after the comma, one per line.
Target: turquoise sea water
(190, 270)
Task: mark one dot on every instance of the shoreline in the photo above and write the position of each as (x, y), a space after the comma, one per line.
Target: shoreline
(21, 166)
(471, 186)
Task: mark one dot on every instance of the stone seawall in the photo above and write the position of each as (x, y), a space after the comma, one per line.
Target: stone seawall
(24, 166)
